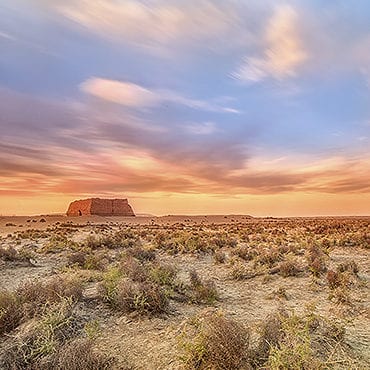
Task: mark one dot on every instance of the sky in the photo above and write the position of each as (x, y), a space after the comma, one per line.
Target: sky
(186, 107)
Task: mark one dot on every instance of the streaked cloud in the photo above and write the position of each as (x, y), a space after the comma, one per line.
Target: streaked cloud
(156, 26)
(115, 158)
(284, 49)
(123, 93)
(110, 97)
(135, 96)
(6, 36)
(204, 128)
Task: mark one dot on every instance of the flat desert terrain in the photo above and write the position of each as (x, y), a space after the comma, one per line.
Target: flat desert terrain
(184, 292)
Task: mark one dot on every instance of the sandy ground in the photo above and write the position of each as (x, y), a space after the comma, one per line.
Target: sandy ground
(151, 343)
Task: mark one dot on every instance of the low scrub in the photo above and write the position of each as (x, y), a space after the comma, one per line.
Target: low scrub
(127, 295)
(54, 341)
(212, 341)
(31, 298)
(142, 297)
(202, 291)
(289, 267)
(316, 260)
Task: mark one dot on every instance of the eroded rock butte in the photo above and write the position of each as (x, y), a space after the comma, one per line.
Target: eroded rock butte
(100, 207)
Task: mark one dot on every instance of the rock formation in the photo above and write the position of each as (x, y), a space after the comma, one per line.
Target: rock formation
(100, 207)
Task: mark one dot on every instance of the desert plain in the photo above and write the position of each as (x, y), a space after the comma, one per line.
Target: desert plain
(184, 292)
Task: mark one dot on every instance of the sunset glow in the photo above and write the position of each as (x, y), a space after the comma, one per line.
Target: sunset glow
(196, 107)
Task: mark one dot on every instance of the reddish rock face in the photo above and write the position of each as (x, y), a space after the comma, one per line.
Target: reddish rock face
(101, 207)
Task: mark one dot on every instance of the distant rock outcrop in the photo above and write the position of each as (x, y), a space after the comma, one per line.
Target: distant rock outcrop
(100, 207)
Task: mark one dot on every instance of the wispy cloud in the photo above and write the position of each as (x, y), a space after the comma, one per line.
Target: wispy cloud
(120, 92)
(284, 49)
(7, 36)
(115, 158)
(204, 128)
(135, 96)
(156, 26)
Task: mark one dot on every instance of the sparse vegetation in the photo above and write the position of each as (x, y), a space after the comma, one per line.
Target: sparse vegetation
(82, 295)
(202, 291)
(212, 341)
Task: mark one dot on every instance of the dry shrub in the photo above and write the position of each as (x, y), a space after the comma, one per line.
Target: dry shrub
(316, 260)
(79, 354)
(93, 242)
(142, 297)
(37, 341)
(163, 274)
(350, 266)
(134, 269)
(202, 291)
(334, 279)
(239, 271)
(213, 341)
(30, 299)
(10, 311)
(107, 289)
(307, 342)
(141, 254)
(289, 267)
(53, 342)
(268, 256)
(338, 279)
(224, 240)
(34, 295)
(270, 334)
(245, 253)
(96, 261)
(77, 258)
(219, 257)
(8, 254)
(293, 350)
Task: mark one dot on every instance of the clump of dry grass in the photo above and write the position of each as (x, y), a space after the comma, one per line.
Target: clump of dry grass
(350, 266)
(339, 283)
(239, 271)
(33, 295)
(223, 240)
(212, 341)
(10, 254)
(133, 269)
(163, 274)
(308, 341)
(30, 299)
(11, 312)
(88, 259)
(80, 354)
(336, 279)
(77, 258)
(54, 341)
(316, 260)
(285, 341)
(219, 257)
(202, 291)
(58, 243)
(289, 267)
(270, 334)
(142, 297)
(268, 257)
(141, 254)
(123, 239)
(245, 253)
